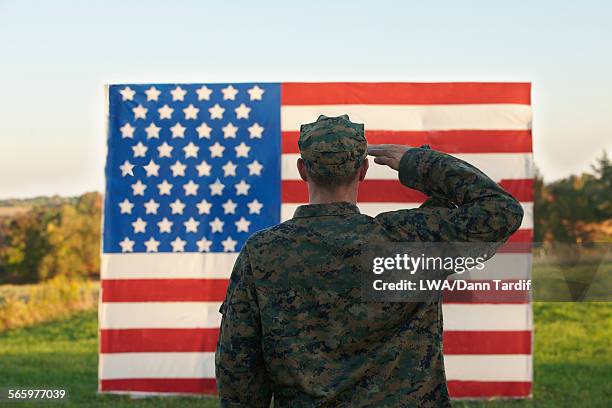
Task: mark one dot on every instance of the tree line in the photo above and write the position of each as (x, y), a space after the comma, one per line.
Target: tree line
(61, 236)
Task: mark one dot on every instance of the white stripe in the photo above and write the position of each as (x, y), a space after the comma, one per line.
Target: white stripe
(513, 367)
(184, 315)
(487, 317)
(471, 367)
(373, 209)
(167, 265)
(498, 166)
(416, 117)
(156, 365)
(176, 315)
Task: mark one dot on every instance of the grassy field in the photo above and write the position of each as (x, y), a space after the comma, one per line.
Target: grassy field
(573, 360)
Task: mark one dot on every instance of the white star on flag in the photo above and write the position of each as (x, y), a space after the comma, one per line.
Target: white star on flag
(152, 169)
(139, 225)
(204, 207)
(229, 93)
(203, 169)
(165, 226)
(165, 112)
(242, 188)
(152, 131)
(127, 245)
(178, 245)
(165, 150)
(191, 225)
(255, 207)
(242, 111)
(204, 245)
(203, 131)
(177, 207)
(242, 225)
(216, 150)
(178, 130)
(164, 188)
(126, 206)
(191, 188)
(138, 188)
(152, 245)
(151, 206)
(242, 150)
(152, 94)
(229, 245)
(127, 131)
(229, 169)
(139, 150)
(191, 112)
(229, 207)
(216, 188)
(229, 130)
(178, 94)
(204, 93)
(127, 168)
(178, 169)
(255, 168)
(191, 150)
(127, 94)
(216, 112)
(255, 93)
(216, 225)
(140, 112)
(255, 131)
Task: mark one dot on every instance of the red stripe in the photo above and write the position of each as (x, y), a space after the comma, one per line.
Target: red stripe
(167, 385)
(483, 389)
(391, 191)
(457, 389)
(205, 340)
(174, 290)
(487, 295)
(487, 342)
(398, 93)
(522, 235)
(164, 290)
(449, 141)
(158, 340)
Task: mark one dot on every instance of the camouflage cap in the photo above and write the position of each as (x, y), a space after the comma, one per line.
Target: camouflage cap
(332, 146)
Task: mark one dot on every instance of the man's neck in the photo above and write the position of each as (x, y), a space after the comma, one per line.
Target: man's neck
(319, 196)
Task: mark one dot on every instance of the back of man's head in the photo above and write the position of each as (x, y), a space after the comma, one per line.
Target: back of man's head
(333, 150)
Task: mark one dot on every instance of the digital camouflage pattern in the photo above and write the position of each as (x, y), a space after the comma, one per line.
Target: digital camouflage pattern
(294, 325)
(332, 146)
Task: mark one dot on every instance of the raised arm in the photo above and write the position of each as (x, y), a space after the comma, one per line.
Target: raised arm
(464, 205)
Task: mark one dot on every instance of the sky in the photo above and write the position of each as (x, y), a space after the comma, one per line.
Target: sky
(56, 57)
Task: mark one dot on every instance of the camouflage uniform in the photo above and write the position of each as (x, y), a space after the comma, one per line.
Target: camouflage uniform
(294, 324)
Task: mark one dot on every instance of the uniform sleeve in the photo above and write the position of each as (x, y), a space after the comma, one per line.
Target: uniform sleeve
(240, 370)
(463, 205)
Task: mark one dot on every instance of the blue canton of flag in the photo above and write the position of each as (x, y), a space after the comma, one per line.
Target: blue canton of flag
(191, 168)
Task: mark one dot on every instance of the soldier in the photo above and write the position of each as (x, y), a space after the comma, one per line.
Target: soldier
(294, 324)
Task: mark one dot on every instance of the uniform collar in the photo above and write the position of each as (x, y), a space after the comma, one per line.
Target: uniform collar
(319, 210)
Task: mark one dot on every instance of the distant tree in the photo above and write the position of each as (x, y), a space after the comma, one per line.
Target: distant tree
(74, 239)
(24, 244)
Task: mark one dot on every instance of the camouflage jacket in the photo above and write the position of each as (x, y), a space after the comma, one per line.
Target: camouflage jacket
(294, 325)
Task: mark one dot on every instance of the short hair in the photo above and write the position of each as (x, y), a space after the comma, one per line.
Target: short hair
(330, 183)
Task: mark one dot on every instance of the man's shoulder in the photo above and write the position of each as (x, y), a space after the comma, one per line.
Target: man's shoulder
(267, 236)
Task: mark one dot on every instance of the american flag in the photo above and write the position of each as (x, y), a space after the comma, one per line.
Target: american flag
(193, 169)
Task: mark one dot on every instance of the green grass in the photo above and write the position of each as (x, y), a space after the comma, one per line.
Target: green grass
(573, 360)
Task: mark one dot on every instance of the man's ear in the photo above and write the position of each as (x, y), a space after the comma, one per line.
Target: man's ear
(364, 169)
(301, 166)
